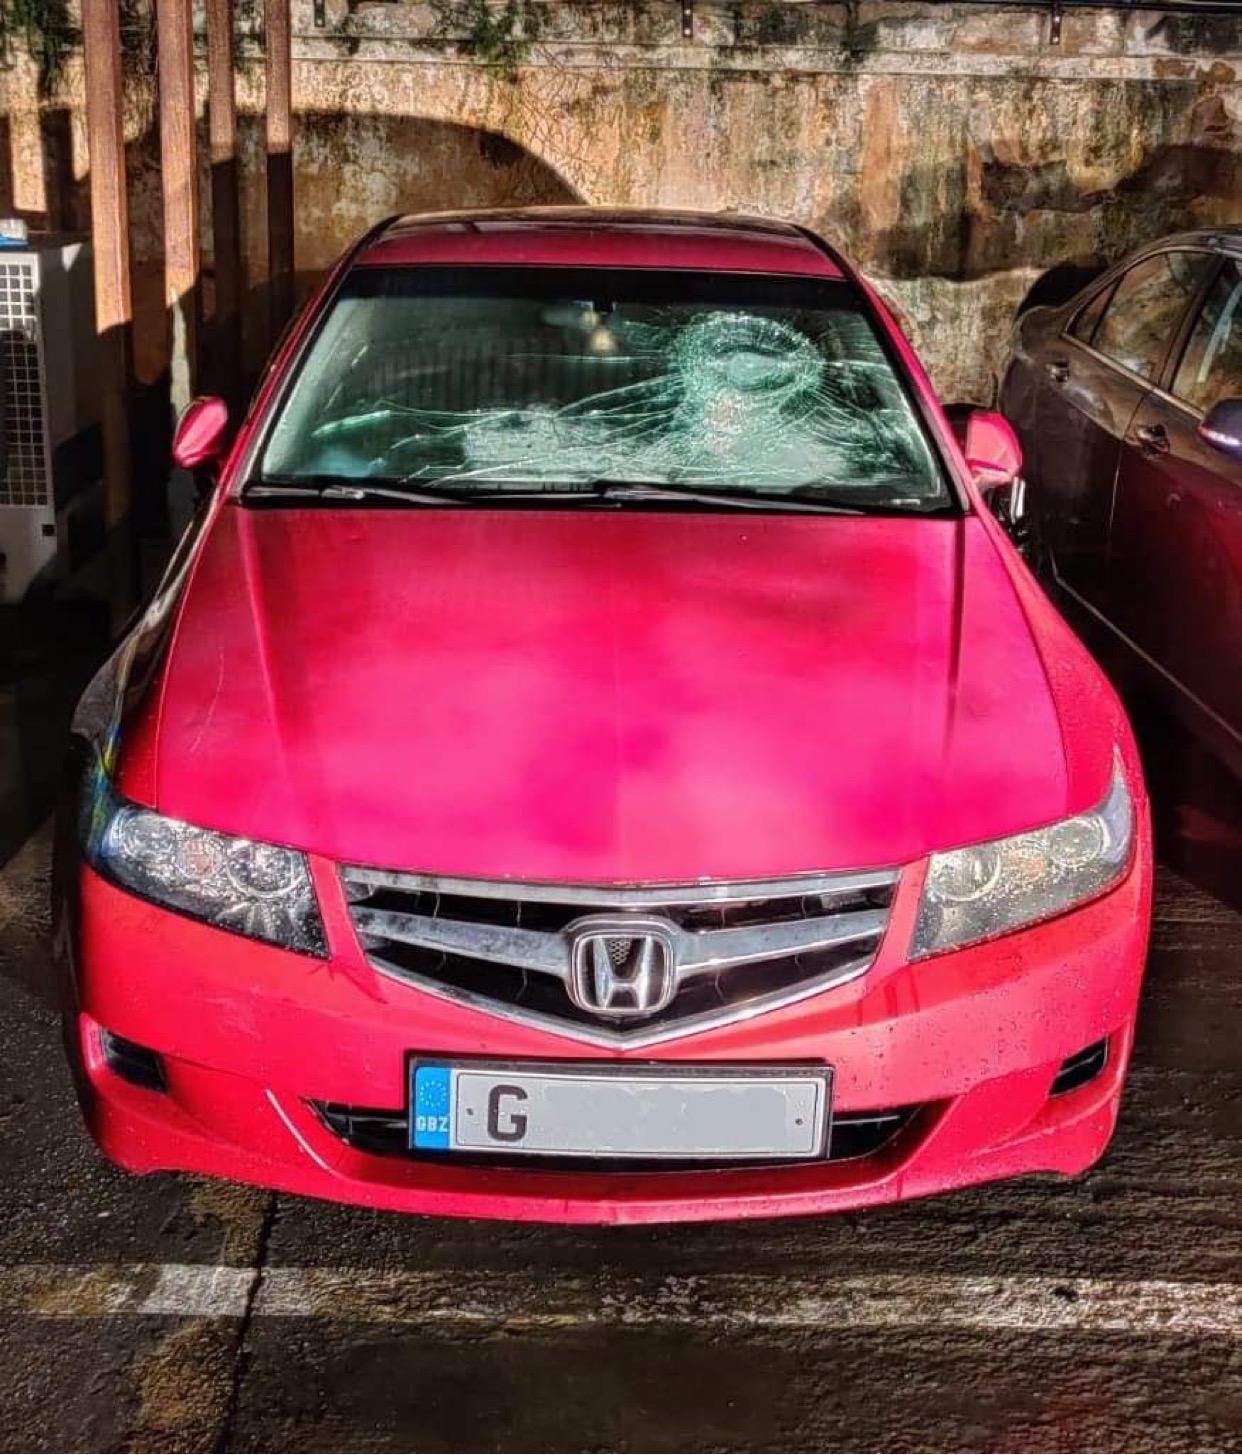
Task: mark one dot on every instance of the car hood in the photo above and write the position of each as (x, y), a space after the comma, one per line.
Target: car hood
(608, 696)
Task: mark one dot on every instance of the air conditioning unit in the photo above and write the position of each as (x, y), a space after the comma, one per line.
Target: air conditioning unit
(49, 407)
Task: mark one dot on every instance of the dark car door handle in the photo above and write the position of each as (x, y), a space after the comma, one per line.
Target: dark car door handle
(1154, 439)
(1058, 370)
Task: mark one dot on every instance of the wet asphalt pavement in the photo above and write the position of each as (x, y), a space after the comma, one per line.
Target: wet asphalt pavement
(1103, 1313)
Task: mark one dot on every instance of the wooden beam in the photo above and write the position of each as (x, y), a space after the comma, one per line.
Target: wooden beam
(179, 177)
(114, 307)
(225, 214)
(279, 42)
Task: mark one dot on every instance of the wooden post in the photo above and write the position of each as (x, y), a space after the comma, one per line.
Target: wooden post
(179, 176)
(278, 34)
(225, 216)
(114, 309)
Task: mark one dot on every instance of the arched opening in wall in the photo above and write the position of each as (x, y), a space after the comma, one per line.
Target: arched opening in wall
(352, 169)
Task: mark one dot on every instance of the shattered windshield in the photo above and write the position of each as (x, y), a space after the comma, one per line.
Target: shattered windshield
(494, 380)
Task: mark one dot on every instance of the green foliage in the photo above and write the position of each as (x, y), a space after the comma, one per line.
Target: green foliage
(247, 35)
(138, 44)
(44, 29)
(499, 35)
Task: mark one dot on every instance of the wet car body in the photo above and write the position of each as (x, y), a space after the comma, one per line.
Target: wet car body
(374, 789)
(1136, 513)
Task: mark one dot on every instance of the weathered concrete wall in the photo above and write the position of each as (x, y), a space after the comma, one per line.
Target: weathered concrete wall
(953, 149)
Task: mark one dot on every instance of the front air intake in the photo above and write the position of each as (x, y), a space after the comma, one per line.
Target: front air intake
(1077, 1070)
(386, 1133)
(132, 1062)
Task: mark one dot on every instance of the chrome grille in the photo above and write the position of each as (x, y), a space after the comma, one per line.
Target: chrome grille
(727, 951)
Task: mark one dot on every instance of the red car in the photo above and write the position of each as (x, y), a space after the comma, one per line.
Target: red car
(596, 758)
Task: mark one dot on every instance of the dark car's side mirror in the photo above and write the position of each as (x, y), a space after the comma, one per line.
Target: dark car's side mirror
(992, 450)
(202, 431)
(1221, 426)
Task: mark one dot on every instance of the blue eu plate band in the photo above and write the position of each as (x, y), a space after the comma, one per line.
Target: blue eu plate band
(431, 1108)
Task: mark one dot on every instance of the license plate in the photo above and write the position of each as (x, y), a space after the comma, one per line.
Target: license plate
(550, 1109)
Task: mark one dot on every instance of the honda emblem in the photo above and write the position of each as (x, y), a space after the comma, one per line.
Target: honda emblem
(622, 967)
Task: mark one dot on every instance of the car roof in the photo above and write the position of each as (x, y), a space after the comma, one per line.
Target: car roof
(599, 237)
(1227, 237)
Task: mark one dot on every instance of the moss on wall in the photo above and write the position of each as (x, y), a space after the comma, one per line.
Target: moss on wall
(43, 30)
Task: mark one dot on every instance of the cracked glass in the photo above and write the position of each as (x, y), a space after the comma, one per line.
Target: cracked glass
(493, 381)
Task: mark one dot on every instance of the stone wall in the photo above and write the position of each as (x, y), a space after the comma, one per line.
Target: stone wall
(953, 149)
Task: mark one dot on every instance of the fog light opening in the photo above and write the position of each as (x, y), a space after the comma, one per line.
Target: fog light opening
(132, 1062)
(1079, 1069)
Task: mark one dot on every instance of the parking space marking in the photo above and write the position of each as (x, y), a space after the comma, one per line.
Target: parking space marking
(182, 1290)
(531, 1301)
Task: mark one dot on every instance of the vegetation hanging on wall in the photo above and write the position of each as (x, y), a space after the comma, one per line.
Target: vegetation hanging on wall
(494, 35)
(45, 31)
(138, 43)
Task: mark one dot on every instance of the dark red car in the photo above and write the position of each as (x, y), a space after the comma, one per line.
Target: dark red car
(597, 758)
(1128, 403)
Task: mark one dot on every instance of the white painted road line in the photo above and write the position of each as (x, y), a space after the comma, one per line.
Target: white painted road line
(533, 1301)
(85, 1291)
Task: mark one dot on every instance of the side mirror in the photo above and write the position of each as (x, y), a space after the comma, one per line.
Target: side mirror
(1221, 427)
(201, 434)
(992, 450)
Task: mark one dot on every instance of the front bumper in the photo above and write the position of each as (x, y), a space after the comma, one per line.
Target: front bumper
(250, 1036)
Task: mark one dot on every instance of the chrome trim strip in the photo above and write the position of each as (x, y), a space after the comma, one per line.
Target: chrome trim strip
(522, 949)
(624, 896)
(696, 952)
(1141, 381)
(297, 1135)
(704, 951)
(1166, 398)
(597, 1036)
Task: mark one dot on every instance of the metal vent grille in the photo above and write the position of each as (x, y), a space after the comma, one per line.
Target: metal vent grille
(24, 467)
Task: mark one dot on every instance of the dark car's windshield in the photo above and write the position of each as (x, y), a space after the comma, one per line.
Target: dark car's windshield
(538, 380)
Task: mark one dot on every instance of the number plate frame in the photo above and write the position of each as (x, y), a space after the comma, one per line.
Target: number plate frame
(449, 1108)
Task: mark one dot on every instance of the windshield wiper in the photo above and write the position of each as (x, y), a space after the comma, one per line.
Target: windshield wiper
(360, 490)
(585, 492)
(351, 492)
(870, 500)
(620, 490)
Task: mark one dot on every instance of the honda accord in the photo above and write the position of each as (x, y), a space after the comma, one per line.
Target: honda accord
(595, 757)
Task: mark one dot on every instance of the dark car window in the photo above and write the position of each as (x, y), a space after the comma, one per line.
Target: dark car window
(1085, 323)
(1144, 311)
(506, 379)
(1211, 367)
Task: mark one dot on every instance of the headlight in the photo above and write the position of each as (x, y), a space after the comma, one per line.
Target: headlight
(259, 890)
(989, 889)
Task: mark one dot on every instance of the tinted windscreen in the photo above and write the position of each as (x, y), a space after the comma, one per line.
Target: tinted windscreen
(496, 380)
